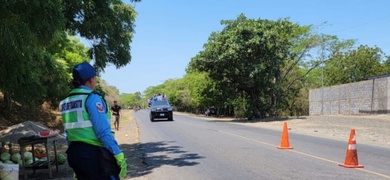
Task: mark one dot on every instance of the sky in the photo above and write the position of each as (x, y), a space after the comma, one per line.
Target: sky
(168, 33)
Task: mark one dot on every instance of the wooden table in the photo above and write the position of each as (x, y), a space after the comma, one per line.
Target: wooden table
(33, 140)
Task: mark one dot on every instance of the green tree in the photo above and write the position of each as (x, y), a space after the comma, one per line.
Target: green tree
(386, 64)
(302, 69)
(132, 99)
(72, 52)
(107, 24)
(246, 57)
(36, 55)
(177, 92)
(197, 85)
(355, 65)
(30, 34)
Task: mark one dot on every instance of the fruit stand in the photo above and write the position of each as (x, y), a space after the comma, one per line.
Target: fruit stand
(33, 141)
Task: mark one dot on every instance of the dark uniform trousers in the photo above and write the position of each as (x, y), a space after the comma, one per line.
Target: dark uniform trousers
(91, 162)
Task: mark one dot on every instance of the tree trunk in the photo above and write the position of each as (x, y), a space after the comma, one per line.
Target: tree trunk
(256, 111)
(8, 100)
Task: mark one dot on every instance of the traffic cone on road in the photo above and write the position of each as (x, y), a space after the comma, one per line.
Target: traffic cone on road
(351, 158)
(284, 143)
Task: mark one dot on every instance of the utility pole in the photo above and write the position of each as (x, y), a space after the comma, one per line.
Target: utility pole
(322, 86)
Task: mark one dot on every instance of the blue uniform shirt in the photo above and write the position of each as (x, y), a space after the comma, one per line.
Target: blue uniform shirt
(100, 122)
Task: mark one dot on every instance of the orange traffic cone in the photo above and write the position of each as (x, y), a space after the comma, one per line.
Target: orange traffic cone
(284, 143)
(351, 159)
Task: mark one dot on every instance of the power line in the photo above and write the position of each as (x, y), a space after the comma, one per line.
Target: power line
(362, 24)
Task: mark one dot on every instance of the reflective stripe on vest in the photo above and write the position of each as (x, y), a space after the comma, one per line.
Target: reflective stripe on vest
(78, 125)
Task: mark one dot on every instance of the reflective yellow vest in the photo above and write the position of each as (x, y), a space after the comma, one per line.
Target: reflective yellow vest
(77, 123)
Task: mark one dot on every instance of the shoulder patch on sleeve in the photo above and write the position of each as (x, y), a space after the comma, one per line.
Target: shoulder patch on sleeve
(99, 107)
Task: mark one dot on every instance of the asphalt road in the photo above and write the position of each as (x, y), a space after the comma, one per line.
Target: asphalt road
(192, 148)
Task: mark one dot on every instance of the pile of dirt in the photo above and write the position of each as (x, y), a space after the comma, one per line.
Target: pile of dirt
(26, 129)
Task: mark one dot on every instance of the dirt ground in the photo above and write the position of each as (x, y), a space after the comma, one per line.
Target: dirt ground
(370, 129)
(127, 138)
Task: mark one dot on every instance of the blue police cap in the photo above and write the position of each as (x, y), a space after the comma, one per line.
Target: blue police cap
(83, 71)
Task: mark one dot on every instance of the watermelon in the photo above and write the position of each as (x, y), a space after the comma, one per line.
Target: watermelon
(16, 157)
(48, 132)
(29, 161)
(8, 162)
(28, 155)
(5, 156)
(61, 159)
(44, 133)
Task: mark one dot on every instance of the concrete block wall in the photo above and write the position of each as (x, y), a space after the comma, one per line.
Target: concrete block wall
(364, 97)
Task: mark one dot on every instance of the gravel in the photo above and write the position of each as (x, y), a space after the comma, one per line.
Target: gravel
(369, 129)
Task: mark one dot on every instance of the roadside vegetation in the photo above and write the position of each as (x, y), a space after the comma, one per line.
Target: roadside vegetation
(258, 68)
(252, 68)
(39, 45)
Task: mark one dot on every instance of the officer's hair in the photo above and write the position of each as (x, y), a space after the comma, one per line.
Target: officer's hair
(77, 82)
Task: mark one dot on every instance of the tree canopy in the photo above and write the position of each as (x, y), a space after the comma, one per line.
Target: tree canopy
(107, 24)
(247, 57)
(258, 68)
(37, 50)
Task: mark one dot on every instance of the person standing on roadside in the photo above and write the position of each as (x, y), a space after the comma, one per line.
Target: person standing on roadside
(116, 113)
(93, 152)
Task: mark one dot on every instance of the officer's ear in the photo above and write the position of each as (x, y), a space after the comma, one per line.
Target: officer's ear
(91, 82)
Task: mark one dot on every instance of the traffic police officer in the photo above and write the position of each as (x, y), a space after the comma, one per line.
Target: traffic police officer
(93, 152)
